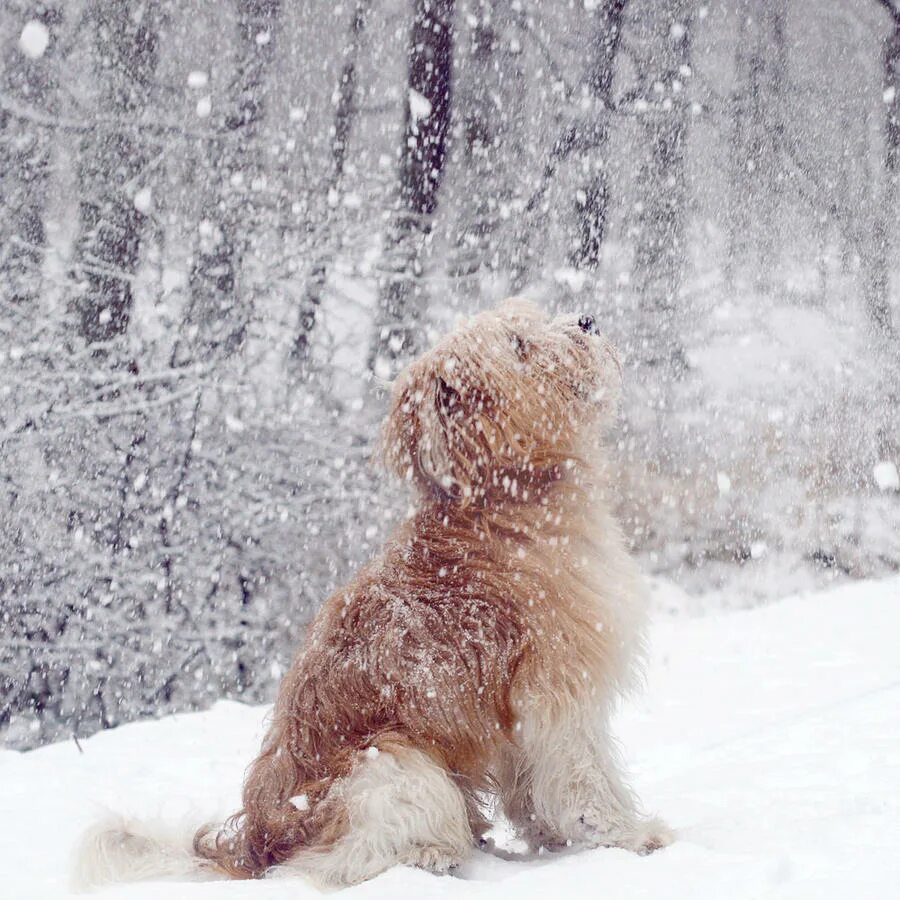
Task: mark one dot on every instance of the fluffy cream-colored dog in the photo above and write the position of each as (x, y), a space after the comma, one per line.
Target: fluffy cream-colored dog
(480, 655)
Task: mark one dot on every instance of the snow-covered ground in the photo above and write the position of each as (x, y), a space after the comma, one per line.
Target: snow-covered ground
(769, 739)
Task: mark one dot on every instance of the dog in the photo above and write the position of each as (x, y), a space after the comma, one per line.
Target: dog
(477, 660)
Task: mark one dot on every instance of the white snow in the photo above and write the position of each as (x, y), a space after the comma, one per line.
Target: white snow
(572, 278)
(233, 423)
(143, 200)
(767, 738)
(34, 39)
(886, 476)
(419, 105)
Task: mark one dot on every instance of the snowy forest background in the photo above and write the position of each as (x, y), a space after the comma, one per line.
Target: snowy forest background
(225, 224)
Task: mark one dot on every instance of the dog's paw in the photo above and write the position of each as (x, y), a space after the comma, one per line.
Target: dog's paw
(438, 860)
(651, 834)
(641, 837)
(539, 838)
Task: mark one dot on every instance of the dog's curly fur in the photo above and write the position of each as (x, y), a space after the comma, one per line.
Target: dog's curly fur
(482, 652)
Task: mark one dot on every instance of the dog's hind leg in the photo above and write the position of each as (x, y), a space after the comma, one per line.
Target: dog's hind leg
(402, 808)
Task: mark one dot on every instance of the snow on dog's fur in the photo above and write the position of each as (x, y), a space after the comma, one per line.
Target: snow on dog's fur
(480, 654)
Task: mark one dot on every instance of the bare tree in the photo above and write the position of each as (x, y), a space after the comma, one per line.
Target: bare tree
(219, 306)
(29, 86)
(664, 68)
(877, 278)
(592, 196)
(757, 138)
(487, 125)
(427, 112)
(585, 137)
(345, 111)
(113, 159)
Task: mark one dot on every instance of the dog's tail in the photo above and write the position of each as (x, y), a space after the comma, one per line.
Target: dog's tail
(246, 846)
(264, 834)
(286, 809)
(121, 850)
(288, 806)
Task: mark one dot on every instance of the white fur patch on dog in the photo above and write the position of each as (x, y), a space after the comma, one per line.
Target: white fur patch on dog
(403, 808)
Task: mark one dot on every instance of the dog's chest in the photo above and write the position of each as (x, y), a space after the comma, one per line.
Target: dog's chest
(592, 620)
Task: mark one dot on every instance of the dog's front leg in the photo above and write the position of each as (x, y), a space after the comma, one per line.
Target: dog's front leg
(567, 788)
(611, 817)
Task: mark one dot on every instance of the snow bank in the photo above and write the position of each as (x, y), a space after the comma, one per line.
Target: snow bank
(767, 738)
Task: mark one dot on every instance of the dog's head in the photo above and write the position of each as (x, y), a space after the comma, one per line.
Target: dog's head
(501, 402)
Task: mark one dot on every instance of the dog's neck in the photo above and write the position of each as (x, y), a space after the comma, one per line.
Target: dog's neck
(505, 487)
(553, 500)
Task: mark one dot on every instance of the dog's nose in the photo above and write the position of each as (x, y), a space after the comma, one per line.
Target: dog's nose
(586, 324)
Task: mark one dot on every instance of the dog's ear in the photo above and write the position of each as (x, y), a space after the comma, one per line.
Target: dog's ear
(450, 463)
(448, 398)
(520, 345)
(423, 440)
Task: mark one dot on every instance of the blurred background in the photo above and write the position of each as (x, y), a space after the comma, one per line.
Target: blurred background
(224, 225)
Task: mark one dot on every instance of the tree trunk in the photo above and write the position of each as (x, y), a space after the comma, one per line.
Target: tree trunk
(344, 118)
(488, 99)
(218, 305)
(771, 125)
(757, 139)
(737, 224)
(29, 80)
(113, 159)
(592, 197)
(847, 226)
(878, 273)
(426, 128)
(661, 188)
